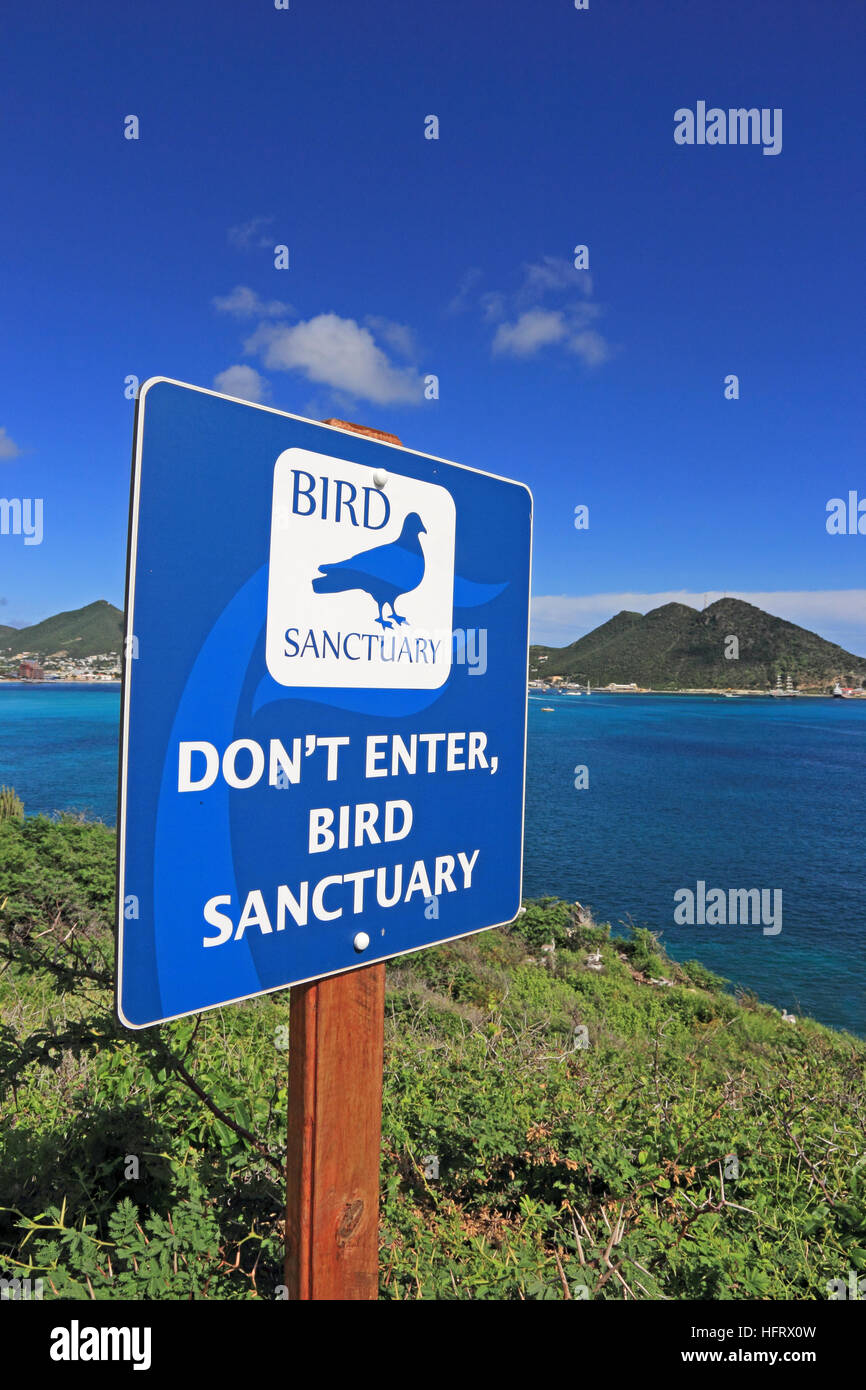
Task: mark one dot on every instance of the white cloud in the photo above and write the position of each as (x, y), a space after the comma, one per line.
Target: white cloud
(537, 328)
(590, 347)
(8, 448)
(534, 329)
(248, 235)
(839, 615)
(398, 336)
(244, 303)
(493, 306)
(244, 382)
(340, 353)
(464, 290)
(525, 326)
(553, 273)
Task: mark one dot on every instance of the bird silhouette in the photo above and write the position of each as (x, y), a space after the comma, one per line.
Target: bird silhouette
(385, 573)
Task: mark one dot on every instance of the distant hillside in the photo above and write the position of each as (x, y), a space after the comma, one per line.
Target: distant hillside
(675, 647)
(82, 632)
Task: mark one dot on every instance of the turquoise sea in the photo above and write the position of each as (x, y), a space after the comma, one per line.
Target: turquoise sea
(738, 793)
(59, 746)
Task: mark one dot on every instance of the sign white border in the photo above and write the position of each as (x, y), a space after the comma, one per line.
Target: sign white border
(132, 554)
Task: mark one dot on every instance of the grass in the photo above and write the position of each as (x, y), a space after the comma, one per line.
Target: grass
(598, 1135)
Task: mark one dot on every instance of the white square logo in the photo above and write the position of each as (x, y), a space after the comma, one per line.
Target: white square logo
(361, 578)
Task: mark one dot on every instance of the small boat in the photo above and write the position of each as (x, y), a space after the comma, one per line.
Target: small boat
(548, 709)
(842, 692)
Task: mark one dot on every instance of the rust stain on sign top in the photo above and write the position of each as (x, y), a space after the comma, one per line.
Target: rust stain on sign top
(365, 429)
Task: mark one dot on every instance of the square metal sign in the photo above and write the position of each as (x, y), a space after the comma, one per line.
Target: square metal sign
(323, 732)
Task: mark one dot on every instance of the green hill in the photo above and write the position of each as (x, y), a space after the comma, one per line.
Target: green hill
(676, 647)
(85, 631)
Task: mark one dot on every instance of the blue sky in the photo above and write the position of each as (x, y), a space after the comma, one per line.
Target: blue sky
(453, 257)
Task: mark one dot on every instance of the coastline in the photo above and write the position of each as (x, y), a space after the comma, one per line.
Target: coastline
(719, 693)
(40, 685)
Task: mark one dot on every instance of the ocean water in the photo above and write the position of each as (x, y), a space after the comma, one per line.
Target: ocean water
(58, 746)
(740, 793)
(743, 793)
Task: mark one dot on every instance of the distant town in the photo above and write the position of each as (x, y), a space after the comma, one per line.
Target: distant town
(564, 686)
(558, 685)
(60, 666)
(82, 644)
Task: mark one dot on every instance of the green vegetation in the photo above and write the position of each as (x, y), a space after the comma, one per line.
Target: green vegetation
(88, 631)
(589, 1124)
(11, 806)
(677, 648)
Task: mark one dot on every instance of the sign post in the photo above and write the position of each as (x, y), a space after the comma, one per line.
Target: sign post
(323, 740)
(336, 1049)
(336, 1044)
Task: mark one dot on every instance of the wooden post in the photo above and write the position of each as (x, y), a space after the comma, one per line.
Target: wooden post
(336, 1048)
(336, 1044)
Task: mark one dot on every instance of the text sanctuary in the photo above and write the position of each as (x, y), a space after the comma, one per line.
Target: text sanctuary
(388, 890)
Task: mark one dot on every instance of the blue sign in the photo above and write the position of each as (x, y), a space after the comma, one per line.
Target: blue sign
(324, 703)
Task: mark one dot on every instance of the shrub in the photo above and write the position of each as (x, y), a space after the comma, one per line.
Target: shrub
(11, 808)
(592, 1157)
